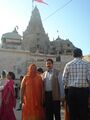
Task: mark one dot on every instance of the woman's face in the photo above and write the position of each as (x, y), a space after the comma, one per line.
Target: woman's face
(34, 68)
(8, 76)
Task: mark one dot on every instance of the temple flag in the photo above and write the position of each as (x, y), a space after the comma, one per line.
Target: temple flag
(40, 1)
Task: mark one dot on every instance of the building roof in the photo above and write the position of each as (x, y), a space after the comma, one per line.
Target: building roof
(35, 24)
(12, 35)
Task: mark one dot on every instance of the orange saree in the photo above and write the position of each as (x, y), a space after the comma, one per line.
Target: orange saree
(66, 112)
(32, 95)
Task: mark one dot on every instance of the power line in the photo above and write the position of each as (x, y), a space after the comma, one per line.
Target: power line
(58, 10)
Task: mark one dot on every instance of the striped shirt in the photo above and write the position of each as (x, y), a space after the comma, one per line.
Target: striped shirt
(77, 73)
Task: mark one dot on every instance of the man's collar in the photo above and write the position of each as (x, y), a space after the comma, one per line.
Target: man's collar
(50, 70)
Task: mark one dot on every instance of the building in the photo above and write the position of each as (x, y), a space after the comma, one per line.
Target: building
(87, 57)
(11, 40)
(35, 38)
(34, 46)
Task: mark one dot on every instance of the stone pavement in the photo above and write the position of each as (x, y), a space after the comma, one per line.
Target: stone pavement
(18, 113)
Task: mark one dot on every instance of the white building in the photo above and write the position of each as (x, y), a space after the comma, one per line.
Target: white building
(34, 46)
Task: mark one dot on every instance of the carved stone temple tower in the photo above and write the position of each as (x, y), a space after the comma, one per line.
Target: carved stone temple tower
(34, 37)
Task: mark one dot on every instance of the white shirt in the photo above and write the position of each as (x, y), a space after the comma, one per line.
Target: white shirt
(47, 79)
(48, 82)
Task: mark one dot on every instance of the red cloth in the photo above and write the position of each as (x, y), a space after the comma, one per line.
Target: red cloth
(41, 1)
(8, 102)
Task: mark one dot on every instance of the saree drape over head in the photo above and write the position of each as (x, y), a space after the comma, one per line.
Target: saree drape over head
(32, 86)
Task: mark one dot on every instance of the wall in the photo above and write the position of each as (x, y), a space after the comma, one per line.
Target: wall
(18, 60)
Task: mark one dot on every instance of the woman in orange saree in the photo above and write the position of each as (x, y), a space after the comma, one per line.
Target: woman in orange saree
(32, 95)
(66, 109)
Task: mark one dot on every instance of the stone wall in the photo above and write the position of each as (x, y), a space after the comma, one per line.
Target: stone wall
(18, 60)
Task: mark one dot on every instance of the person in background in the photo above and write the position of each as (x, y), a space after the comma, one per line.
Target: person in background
(3, 75)
(16, 90)
(3, 81)
(32, 95)
(8, 99)
(76, 78)
(54, 91)
(20, 105)
(21, 77)
(40, 71)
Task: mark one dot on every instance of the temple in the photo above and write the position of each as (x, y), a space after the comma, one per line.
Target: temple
(35, 39)
(34, 46)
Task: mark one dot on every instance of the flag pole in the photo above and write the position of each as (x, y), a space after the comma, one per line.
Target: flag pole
(32, 4)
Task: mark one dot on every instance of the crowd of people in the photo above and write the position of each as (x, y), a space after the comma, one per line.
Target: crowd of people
(43, 91)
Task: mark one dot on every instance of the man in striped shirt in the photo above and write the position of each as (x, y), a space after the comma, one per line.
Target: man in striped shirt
(76, 78)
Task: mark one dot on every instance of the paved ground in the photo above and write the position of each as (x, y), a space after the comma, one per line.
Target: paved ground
(18, 113)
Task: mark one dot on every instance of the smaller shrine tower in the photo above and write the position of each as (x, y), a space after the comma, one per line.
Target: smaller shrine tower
(11, 40)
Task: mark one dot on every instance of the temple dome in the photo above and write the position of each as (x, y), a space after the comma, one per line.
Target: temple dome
(11, 40)
(12, 35)
(61, 46)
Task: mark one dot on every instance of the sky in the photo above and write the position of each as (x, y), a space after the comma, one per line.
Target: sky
(70, 19)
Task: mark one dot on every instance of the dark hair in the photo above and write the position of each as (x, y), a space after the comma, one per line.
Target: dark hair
(40, 70)
(50, 60)
(21, 77)
(77, 52)
(12, 75)
(3, 73)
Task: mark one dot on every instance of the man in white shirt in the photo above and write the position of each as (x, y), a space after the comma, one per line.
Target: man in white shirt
(53, 91)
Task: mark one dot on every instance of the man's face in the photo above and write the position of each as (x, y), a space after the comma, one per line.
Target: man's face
(49, 65)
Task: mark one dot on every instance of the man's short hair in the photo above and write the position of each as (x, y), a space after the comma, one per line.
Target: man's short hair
(50, 60)
(77, 52)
